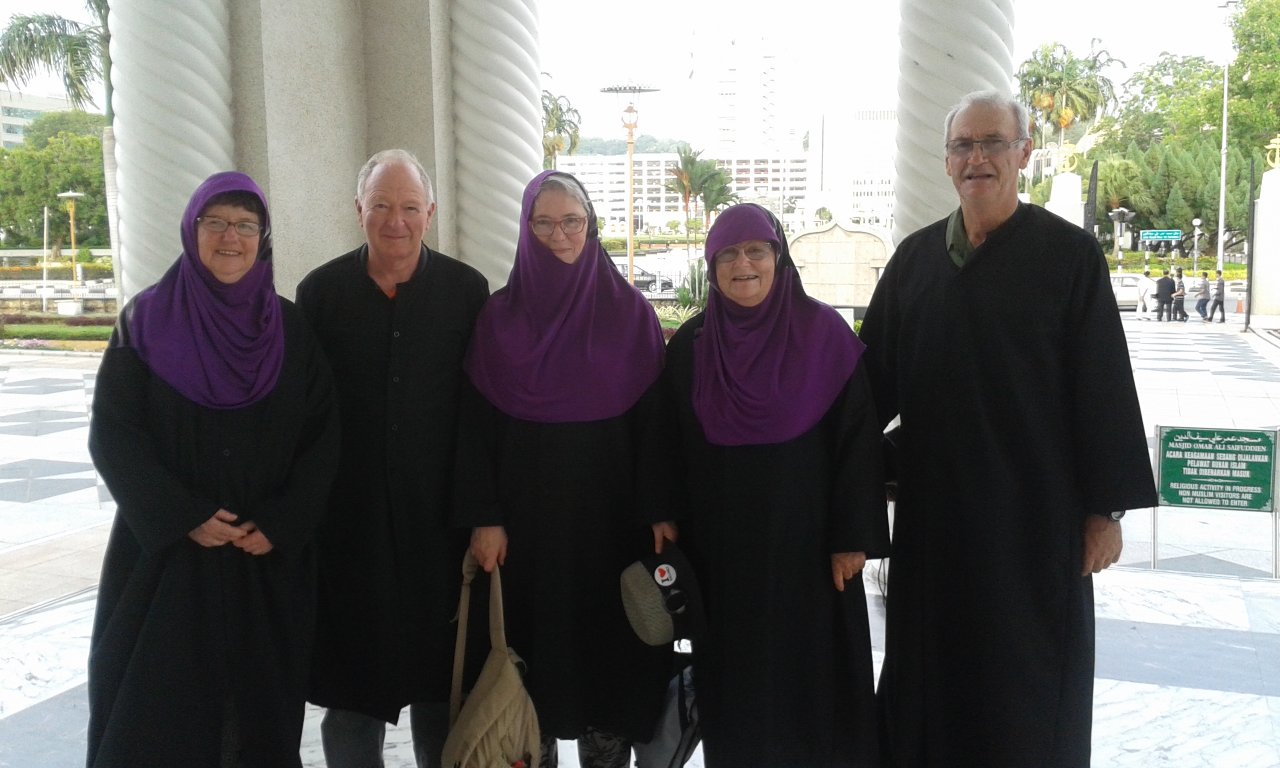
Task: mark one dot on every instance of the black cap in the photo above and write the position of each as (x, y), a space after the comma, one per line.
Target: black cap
(661, 597)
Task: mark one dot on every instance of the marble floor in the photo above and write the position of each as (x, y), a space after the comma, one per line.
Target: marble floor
(1188, 663)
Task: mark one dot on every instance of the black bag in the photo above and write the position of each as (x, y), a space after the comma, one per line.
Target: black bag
(677, 732)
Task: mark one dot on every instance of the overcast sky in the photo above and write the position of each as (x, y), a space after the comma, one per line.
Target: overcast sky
(824, 46)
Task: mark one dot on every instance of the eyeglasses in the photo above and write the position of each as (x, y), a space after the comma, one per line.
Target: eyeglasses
(755, 253)
(218, 226)
(989, 147)
(570, 225)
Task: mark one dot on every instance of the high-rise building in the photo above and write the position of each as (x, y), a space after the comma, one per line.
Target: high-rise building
(17, 110)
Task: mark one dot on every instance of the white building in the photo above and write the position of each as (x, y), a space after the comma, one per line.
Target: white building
(777, 183)
(852, 157)
(17, 110)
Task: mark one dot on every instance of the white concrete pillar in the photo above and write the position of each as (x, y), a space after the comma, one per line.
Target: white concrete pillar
(299, 94)
(948, 49)
(1265, 293)
(171, 72)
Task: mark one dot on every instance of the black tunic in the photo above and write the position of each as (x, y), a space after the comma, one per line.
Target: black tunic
(180, 628)
(390, 564)
(785, 675)
(1019, 418)
(566, 495)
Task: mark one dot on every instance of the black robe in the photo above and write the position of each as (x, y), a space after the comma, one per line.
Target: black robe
(566, 495)
(1019, 418)
(784, 676)
(390, 564)
(182, 629)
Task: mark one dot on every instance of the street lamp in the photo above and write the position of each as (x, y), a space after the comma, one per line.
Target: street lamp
(1222, 178)
(630, 119)
(1195, 244)
(71, 198)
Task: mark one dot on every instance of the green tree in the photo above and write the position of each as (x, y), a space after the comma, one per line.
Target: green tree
(1177, 214)
(31, 179)
(687, 177)
(823, 215)
(1255, 75)
(78, 53)
(50, 124)
(1168, 101)
(1062, 89)
(717, 192)
(559, 128)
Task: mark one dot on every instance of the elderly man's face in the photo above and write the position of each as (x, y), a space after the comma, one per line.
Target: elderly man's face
(394, 213)
(984, 180)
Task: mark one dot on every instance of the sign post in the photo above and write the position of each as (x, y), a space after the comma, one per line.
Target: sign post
(1157, 235)
(1210, 468)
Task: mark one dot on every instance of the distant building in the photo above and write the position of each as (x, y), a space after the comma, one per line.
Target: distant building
(777, 183)
(852, 159)
(17, 110)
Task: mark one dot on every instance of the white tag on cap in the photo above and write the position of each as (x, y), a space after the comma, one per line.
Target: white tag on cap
(665, 575)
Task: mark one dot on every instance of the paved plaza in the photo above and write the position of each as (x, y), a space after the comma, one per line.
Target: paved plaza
(1188, 669)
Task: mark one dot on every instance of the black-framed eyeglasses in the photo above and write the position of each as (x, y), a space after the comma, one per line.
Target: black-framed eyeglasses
(989, 147)
(570, 225)
(218, 226)
(755, 253)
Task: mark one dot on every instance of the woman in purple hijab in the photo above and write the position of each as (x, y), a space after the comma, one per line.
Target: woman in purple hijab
(561, 365)
(778, 491)
(214, 428)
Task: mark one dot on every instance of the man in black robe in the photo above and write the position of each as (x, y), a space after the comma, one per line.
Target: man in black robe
(394, 319)
(1021, 445)
(1164, 297)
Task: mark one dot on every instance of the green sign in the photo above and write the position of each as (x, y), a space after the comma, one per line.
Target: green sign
(1161, 234)
(1216, 468)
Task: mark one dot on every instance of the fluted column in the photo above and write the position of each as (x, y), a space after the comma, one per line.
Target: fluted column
(947, 50)
(171, 74)
(493, 113)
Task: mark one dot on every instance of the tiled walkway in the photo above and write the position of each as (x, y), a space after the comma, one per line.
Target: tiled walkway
(1188, 670)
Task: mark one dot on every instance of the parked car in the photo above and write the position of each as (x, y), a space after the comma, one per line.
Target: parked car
(646, 281)
(1125, 288)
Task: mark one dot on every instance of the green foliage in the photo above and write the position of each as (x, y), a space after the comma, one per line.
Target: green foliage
(31, 179)
(674, 225)
(50, 124)
(644, 143)
(1062, 89)
(693, 226)
(58, 271)
(675, 315)
(716, 192)
(823, 215)
(613, 244)
(692, 292)
(80, 54)
(55, 332)
(559, 128)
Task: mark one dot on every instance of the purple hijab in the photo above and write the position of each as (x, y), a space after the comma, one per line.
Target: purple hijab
(564, 342)
(766, 374)
(219, 345)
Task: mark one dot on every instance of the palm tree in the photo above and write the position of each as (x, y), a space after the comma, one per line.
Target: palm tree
(687, 181)
(716, 193)
(80, 53)
(559, 128)
(1061, 88)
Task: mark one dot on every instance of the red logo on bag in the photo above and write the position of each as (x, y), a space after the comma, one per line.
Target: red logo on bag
(665, 575)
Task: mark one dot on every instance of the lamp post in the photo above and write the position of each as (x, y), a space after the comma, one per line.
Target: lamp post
(630, 118)
(71, 198)
(1195, 244)
(1222, 178)
(44, 266)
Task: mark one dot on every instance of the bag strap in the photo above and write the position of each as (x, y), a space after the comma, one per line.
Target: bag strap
(497, 626)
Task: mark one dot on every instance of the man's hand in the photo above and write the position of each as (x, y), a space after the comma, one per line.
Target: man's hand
(1102, 543)
(845, 566)
(666, 530)
(217, 530)
(489, 546)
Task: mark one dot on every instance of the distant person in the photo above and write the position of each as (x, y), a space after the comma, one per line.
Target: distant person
(394, 318)
(1164, 297)
(215, 427)
(779, 493)
(1146, 292)
(1021, 445)
(1219, 295)
(1179, 298)
(1202, 296)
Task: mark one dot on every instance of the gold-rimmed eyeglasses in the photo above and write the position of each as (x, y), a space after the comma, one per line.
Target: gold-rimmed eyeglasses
(989, 147)
(218, 226)
(570, 225)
